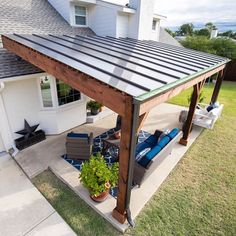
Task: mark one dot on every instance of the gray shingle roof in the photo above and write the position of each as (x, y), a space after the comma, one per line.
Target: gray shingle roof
(34, 16)
(27, 17)
(11, 65)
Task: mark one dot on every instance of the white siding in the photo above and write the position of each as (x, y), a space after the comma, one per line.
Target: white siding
(1, 144)
(102, 20)
(22, 101)
(122, 25)
(63, 8)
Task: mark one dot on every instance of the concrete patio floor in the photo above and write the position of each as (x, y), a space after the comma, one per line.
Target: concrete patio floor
(23, 209)
(47, 154)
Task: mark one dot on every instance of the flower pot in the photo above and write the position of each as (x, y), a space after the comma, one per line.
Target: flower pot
(101, 197)
(94, 111)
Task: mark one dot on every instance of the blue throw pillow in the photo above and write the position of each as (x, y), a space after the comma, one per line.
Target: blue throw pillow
(149, 156)
(163, 142)
(173, 133)
(152, 140)
(142, 154)
(77, 135)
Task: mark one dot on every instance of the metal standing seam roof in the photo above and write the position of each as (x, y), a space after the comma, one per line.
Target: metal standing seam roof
(138, 68)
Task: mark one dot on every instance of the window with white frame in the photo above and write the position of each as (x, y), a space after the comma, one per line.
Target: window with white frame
(66, 94)
(154, 24)
(56, 93)
(45, 87)
(80, 15)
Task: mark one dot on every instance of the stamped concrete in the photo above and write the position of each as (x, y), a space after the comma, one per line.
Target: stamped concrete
(23, 209)
(47, 154)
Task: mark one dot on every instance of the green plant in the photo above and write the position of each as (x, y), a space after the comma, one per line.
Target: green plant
(97, 176)
(201, 98)
(94, 105)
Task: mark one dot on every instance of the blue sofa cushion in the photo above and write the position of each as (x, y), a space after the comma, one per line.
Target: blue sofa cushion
(173, 133)
(77, 135)
(149, 156)
(141, 154)
(164, 141)
(141, 146)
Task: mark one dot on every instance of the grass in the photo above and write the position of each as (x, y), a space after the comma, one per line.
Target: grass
(198, 198)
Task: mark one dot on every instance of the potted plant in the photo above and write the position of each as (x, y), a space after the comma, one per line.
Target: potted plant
(98, 177)
(94, 107)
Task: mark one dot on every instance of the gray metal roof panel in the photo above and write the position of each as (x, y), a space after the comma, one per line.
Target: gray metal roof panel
(131, 67)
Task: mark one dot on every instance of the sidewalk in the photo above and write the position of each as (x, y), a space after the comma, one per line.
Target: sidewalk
(23, 209)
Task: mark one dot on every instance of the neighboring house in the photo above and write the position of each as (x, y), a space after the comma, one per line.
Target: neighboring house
(28, 93)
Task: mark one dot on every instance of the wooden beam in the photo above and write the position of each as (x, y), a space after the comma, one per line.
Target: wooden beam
(148, 105)
(86, 84)
(218, 84)
(189, 122)
(119, 213)
(142, 119)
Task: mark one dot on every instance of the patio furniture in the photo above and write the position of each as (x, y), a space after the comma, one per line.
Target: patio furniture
(159, 150)
(205, 115)
(79, 146)
(111, 146)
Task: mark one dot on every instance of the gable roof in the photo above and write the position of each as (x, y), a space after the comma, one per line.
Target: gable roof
(27, 17)
(34, 16)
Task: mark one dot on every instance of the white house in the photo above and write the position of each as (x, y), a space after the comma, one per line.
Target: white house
(28, 93)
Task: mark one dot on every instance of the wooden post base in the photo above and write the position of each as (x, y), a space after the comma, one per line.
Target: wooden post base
(183, 142)
(121, 218)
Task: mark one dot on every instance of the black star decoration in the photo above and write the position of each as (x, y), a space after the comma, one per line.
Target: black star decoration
(28, 130)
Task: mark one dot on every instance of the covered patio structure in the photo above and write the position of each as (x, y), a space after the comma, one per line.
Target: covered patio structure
(128, 76)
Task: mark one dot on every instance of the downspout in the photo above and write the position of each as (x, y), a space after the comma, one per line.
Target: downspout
(132, 161)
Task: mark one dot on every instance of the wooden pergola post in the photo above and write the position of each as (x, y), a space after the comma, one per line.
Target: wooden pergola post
(189, 122)
(119, 213)
(217, 87)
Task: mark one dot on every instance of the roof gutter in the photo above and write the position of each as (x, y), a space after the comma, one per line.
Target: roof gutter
(144, 97)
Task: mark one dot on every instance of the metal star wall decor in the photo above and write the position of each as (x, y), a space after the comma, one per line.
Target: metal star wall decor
(28, 130)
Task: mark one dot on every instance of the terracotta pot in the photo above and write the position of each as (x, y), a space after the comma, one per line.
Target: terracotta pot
(102, 197)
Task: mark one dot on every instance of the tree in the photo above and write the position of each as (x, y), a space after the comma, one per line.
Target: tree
(210, 26)
(228, 33)
(186, 29)
(218, 46)
(173, 34)
(202, 32)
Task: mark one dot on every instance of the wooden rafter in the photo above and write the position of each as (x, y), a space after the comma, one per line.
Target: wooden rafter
(78, 80)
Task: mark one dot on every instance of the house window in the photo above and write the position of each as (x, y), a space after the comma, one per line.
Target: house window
(154, 24)
(45, 87)
(66, 94)
(80, 15)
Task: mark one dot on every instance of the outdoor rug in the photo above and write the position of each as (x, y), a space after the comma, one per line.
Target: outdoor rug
(109, 155)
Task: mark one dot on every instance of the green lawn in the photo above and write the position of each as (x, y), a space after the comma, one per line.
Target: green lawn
(198, 198)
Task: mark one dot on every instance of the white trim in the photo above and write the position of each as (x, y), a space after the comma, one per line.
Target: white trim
(86, 15)
(22, 77)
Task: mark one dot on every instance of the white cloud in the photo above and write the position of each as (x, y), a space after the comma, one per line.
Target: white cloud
(185, 11)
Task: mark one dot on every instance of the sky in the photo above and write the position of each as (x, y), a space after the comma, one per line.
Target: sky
(179, 12)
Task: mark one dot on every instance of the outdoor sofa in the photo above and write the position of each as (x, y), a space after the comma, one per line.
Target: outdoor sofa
(160, 149)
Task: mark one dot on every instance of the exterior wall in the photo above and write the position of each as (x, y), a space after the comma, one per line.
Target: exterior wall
(122, 23)
(102, 20)
(22, 100)
(140, 24)
(2, 148)
(63, 118)
(62, 7)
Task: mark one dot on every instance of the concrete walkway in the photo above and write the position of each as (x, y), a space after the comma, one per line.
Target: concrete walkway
(23, 209)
